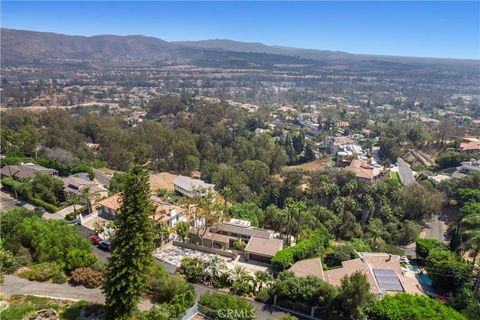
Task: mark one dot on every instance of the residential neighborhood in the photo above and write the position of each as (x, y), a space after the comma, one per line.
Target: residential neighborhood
(301, 160)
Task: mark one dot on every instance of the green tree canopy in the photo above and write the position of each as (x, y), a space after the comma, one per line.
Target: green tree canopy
(133, 244)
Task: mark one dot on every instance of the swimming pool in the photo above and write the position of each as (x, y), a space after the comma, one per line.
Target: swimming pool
(413, 268)
(424, 279)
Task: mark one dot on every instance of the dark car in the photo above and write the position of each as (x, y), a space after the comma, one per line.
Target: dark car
(39, 210)
(95, 239)
(105, 245)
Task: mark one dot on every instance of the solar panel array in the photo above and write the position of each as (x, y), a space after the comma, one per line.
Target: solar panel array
(387, 280)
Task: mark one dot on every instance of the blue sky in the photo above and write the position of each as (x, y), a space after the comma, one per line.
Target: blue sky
(429, 29)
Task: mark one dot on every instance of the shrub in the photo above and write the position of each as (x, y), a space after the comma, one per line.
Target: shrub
(71, 216)
(87, 277)
(167, 288)
(21, 259)
(43, 271)
(442, 264)
(424, 246)
(78, 258)
(414, 307)
(83, 167)
(344, 252)
(47, 206)
(263, 295)
(282, 260)
(221, 281)
(50, 240)
(193, 269)
(217, 303)
(359, 245)
(390, 248)
(239, 245)
(161, 192)
(242, 287)
(313, 246)
(59, 278)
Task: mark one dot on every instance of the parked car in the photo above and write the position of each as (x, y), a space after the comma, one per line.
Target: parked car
(404, 259)
(39, 210)
(95, 239)
(105, 245)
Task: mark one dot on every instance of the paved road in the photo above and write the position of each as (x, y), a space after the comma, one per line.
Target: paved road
(15, 285)
(406, 174)
(436, 229)
(102, 178)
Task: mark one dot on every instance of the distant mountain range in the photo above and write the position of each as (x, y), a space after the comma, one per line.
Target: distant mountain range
(31, 46)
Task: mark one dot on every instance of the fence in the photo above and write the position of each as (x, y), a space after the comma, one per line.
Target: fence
(300, 309)
(190, 313)
(192, 246)
(83, 219)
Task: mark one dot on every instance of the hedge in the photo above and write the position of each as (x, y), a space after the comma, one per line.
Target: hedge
(424, 246)
(225, 306)
(47, 206)
(314, 246)
(408, 306)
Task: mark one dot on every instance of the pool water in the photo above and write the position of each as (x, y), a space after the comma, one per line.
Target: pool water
(424, 279)
(413, 268)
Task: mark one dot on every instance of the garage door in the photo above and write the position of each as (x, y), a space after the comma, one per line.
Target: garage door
(259, 258)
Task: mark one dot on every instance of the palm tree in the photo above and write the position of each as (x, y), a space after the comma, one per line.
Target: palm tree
(73, 199)
(376, 230)
(261, 278)
(215, 266)
(87, 197)
(238, 273)
(368, 208)
(472, 243)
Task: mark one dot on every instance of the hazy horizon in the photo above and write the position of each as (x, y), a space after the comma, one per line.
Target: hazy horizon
(412, 29)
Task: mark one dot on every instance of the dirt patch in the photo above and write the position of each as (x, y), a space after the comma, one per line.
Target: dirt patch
(162, 180)
(316, 165)
(432, 150)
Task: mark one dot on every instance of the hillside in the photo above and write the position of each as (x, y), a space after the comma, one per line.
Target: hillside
(31, 46)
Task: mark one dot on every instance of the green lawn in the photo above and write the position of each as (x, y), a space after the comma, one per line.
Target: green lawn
(395, 176)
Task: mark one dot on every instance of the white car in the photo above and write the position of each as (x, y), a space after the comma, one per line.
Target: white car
(404, 259)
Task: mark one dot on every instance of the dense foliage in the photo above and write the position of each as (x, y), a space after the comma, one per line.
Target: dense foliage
(414, 307)
(313, 246)
(223, 306)
(133, 244)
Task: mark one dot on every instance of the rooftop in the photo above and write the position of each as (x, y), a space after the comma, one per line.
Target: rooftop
(188, 183)
(470, 146)
(245, 230)
(113, 202)
(23, 171)
(308, 267)
(382, 270)
(262, 246)
(361, 169)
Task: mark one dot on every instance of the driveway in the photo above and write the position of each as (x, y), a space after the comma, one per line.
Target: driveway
(102, 178)
(405, 173)
(173, 255)
(7, 201)
(436, 229)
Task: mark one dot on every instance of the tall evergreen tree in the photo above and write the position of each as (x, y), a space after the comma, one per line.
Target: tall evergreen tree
(133, 245)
